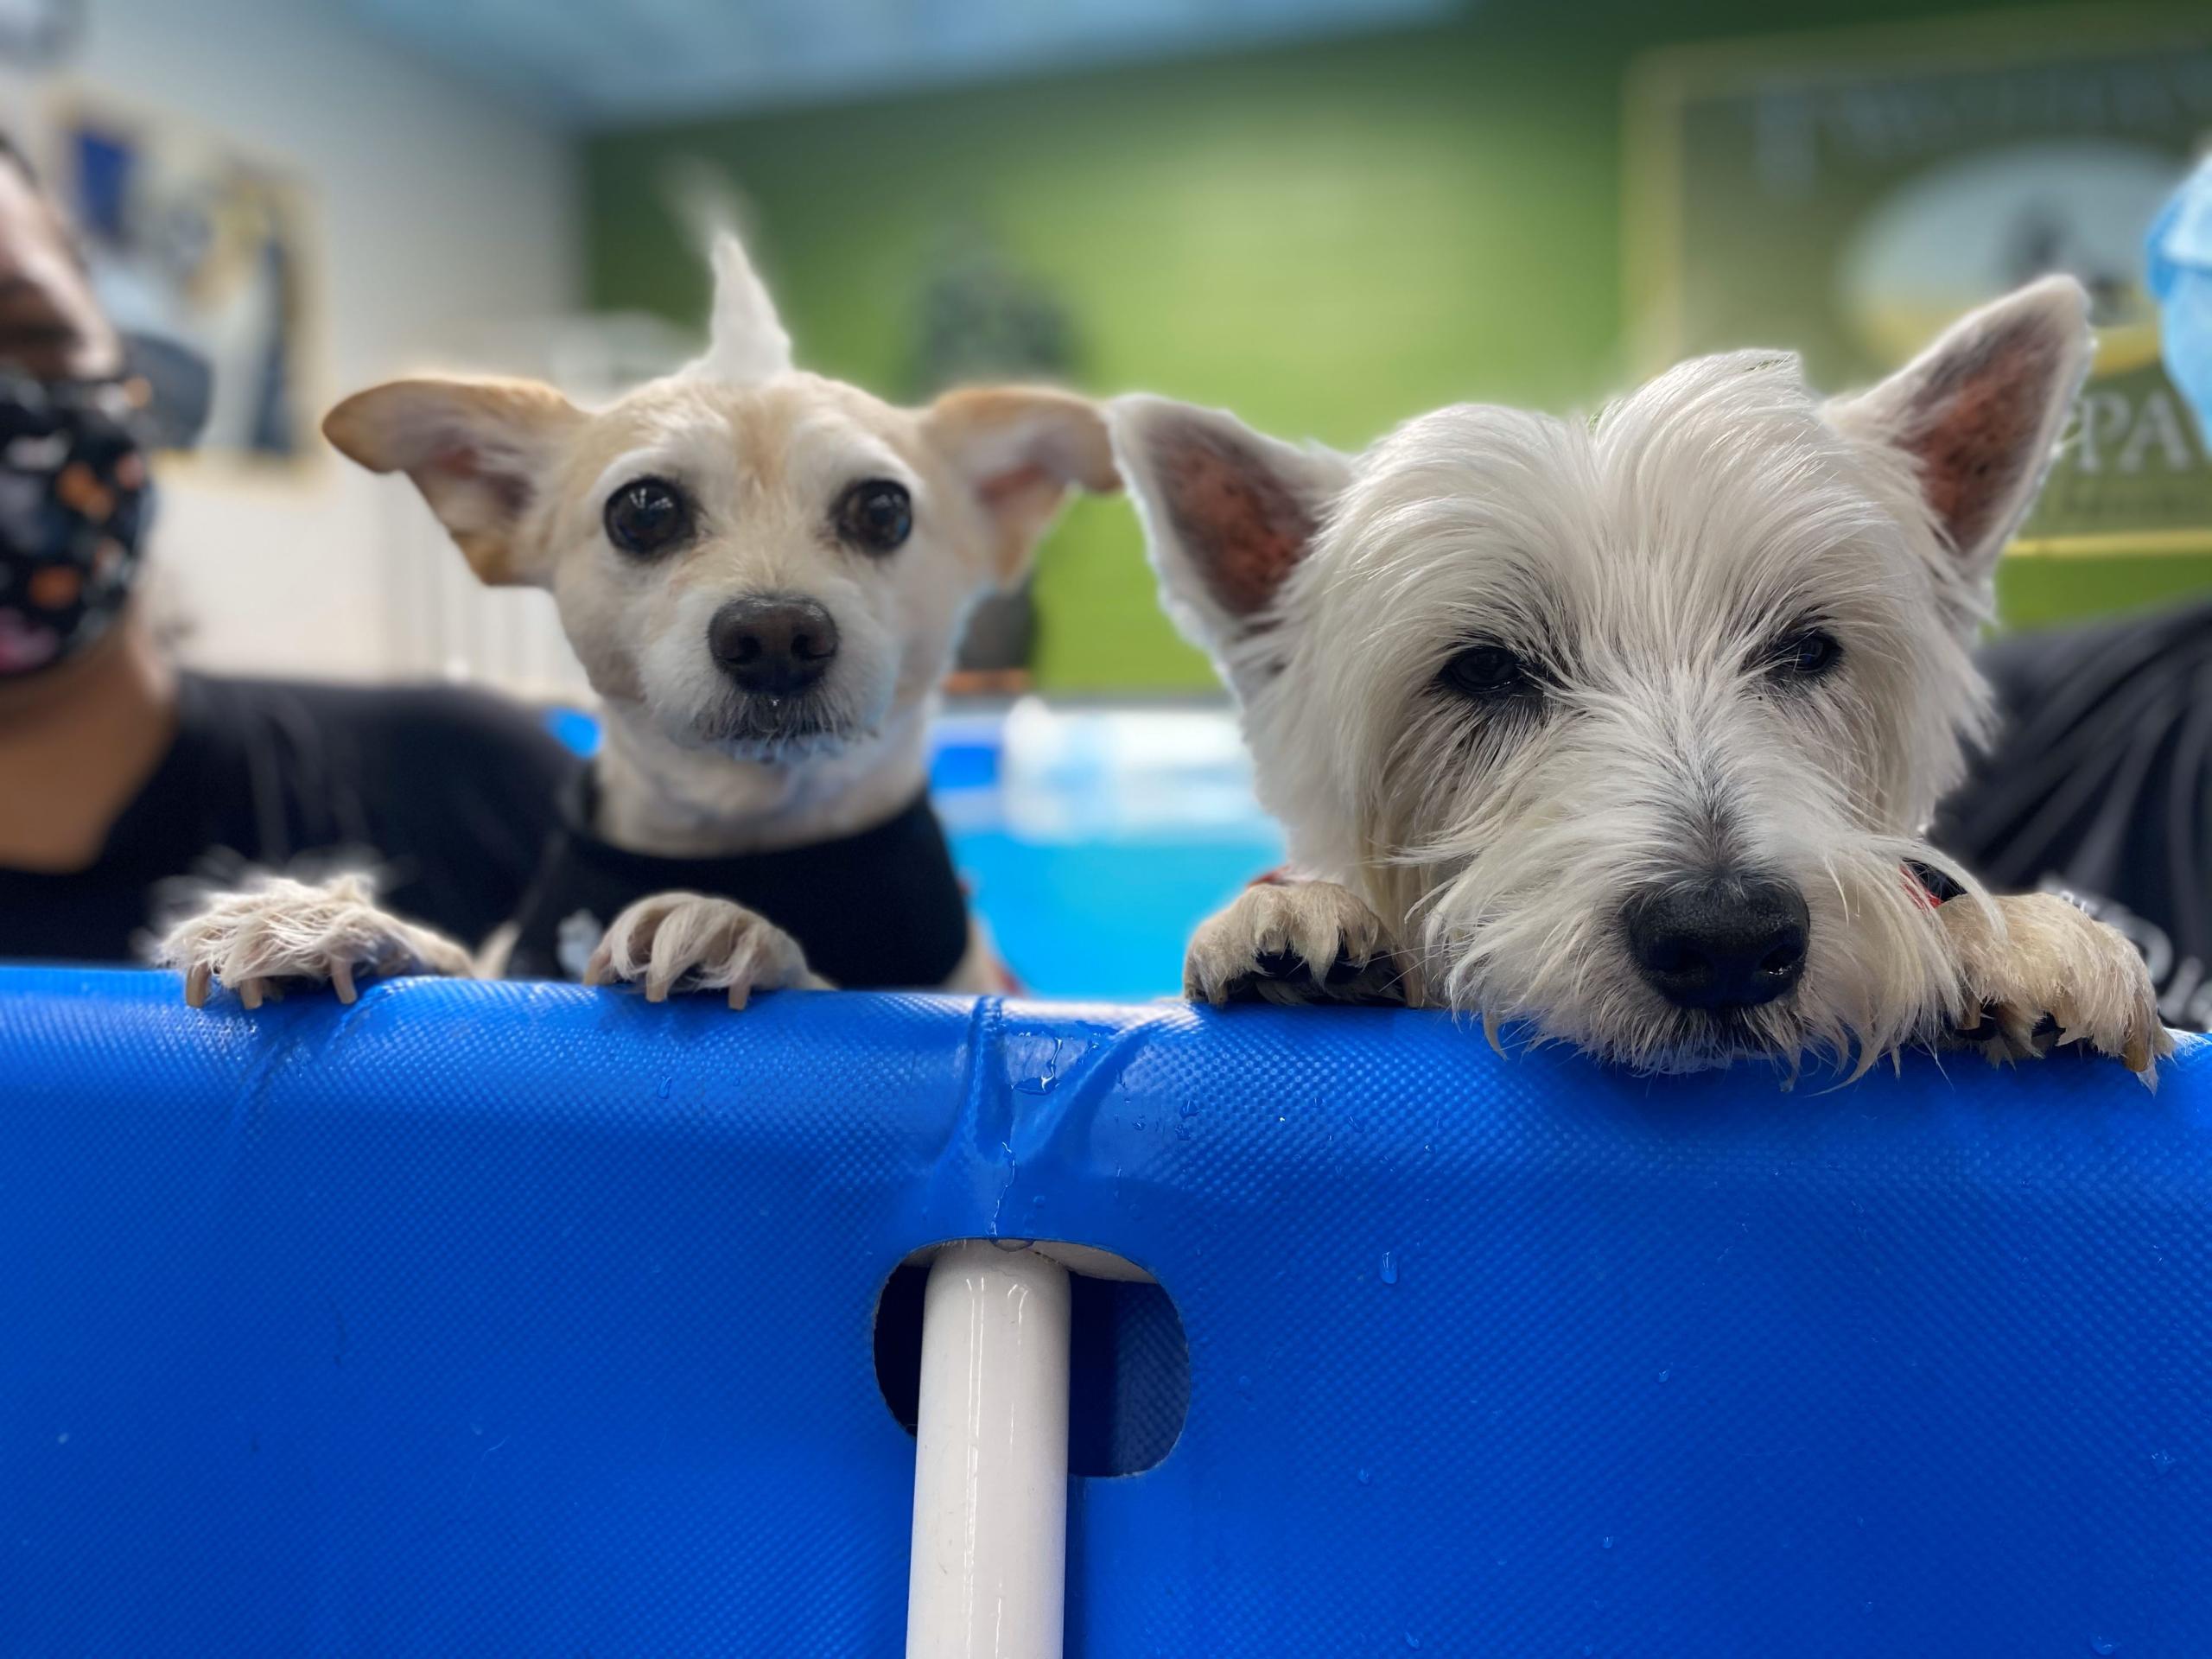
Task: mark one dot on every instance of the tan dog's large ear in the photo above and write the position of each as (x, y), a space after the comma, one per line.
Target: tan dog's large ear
(1228, 511)
(1021, 450)
(1979, 415)
(479, 450)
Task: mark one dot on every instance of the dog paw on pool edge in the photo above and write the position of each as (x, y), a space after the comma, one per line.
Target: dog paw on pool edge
(2054, 974)
(280, 933)
(1294, 943)
(687, 941)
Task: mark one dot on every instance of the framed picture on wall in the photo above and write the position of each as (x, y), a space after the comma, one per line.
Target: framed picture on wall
(1848, 194)
(190, 238)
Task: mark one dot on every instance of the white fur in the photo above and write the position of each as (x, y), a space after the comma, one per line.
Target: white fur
(746, 341)
(1651, 559)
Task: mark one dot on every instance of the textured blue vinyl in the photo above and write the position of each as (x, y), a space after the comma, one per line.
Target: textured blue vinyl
(527, 1320)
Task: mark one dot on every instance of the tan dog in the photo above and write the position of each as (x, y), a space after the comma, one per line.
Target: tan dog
(765, 574)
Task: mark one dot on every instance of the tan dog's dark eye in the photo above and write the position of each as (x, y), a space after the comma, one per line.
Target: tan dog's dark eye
(648, 515)
(875, 515)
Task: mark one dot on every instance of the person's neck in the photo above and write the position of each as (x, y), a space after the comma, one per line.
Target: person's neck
(670, 802)
(77, 743)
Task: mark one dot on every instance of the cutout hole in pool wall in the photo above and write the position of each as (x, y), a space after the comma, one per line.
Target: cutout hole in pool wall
(1128, 1370)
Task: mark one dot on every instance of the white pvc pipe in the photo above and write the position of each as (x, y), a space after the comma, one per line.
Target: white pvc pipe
(990, 1573)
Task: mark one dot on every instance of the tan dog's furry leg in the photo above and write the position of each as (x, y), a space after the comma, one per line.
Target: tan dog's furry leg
(2054, 962)
(698, 942)
(280, 929)
(1293, 941)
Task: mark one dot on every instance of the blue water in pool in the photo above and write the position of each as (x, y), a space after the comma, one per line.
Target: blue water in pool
(1093, 840)
(1102, 919)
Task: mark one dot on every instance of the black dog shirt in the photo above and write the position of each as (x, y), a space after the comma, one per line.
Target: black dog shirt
(873, 911)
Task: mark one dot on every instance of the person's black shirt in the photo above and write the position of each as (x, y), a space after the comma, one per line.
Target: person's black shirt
(448, 794)
(2099, 783)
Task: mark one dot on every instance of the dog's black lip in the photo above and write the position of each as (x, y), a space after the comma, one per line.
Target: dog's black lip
(1725, 1033)
(775, 720)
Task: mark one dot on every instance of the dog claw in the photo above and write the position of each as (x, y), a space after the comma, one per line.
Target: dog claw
(342, 980)
(249, 993)
(197, 979)
(688, 942)
(1985, 1027)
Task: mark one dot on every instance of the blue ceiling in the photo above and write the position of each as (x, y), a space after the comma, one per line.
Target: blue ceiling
(605, 61)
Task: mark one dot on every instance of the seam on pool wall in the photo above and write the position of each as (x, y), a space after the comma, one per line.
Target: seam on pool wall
(988, 1138)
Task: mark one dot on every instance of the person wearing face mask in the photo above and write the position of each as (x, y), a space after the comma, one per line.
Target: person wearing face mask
(124, 780)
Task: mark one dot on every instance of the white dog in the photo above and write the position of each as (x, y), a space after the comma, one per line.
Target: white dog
(1627, 730)
(765, 574)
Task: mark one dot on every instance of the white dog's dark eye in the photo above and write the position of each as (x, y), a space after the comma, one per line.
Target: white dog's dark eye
(648, 515)
(1808, 655)
(875, 515)
(1486, 671)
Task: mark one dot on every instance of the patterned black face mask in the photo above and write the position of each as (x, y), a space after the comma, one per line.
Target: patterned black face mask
(73, 511)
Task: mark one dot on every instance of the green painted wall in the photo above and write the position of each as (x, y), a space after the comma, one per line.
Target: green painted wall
(1327, 238)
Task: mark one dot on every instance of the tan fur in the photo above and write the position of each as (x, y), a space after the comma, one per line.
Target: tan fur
(1028, 447)
(701, 942)
(692, 765)
(473, 448)
(277, 932)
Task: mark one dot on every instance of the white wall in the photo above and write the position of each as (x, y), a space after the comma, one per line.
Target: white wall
(442, 213)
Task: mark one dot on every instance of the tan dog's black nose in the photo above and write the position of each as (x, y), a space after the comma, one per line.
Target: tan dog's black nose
(776, 646)
(1733, 942)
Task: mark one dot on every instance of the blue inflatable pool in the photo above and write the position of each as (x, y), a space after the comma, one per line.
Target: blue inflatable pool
(525, 1321)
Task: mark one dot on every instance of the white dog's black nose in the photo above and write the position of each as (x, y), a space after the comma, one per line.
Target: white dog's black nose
(1731, 942)
(776, 646)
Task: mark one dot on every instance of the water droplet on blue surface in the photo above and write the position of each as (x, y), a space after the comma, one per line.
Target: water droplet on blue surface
(1390, 1268)
(1606, 1543)
(2163, 1461)
(1412, 1641)
(1663, 1375)
(2099, 1645)
(1366, 1476)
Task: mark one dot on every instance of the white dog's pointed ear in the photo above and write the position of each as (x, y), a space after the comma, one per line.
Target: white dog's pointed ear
(1020, 449)
(481, 451)
(1228, 512)
(1979, 413)
(746, 341)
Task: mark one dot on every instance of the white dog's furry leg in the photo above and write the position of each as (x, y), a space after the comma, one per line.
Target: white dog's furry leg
(325, 933)
(2055, 974)
(1293, 941)
(698, 942)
